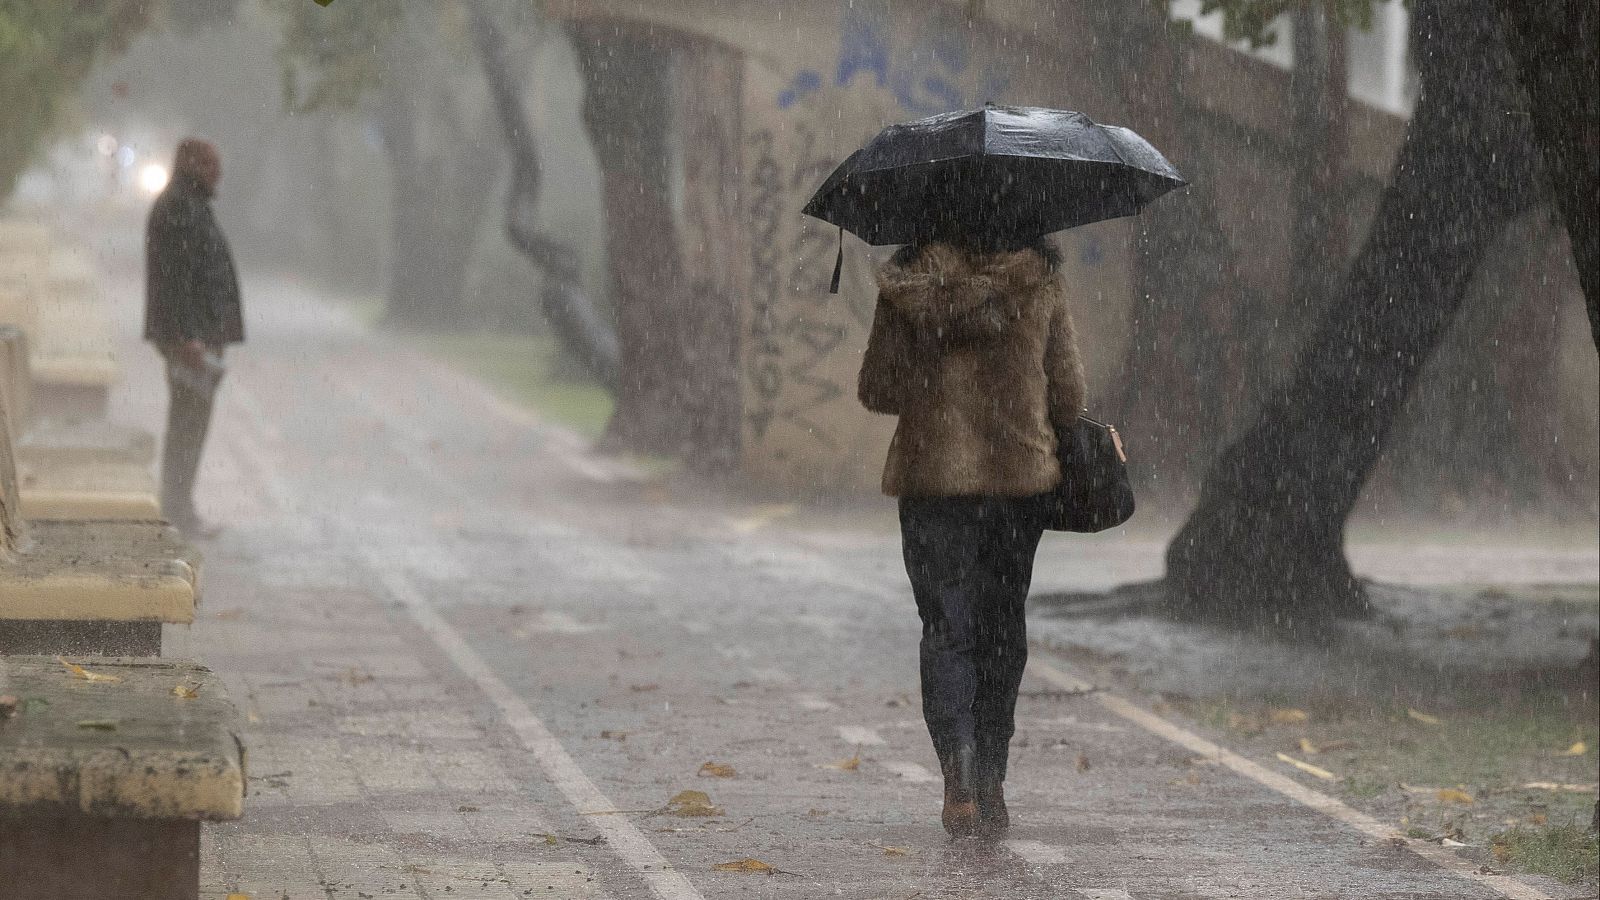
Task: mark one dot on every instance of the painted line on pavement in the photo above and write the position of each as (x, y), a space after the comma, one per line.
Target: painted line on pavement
(1505, 885)
(622, 837)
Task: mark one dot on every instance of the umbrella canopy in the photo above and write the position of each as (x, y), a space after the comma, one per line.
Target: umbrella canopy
(1011, 170)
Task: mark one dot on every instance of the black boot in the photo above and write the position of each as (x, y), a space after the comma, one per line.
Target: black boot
(989, 790)
(960, 816)
(993, 818)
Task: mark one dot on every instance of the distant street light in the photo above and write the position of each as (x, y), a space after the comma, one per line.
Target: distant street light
(153, 177)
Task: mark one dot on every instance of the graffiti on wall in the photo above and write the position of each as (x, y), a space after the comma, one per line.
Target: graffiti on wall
(803, 343)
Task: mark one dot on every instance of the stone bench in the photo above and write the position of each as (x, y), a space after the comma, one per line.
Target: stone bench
(55, 297)
(104, 784)
(79, 469)
(101, 587)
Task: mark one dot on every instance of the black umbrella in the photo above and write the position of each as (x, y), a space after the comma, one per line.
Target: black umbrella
(1011, 170)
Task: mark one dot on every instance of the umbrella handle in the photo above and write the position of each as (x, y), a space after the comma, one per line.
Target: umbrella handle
(838, 264)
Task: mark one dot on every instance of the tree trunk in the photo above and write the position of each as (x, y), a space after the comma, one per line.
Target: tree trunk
(1319, 95)
(715, 251)
(1556, 44)
(626, 109)
(441, 181)
(677, 339)
(1265, 544)
(577, 322)
(1183, 391)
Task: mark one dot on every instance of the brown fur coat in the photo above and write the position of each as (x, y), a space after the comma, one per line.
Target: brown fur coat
(976, 355)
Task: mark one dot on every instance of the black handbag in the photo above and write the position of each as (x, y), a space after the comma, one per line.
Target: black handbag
(1094, 493)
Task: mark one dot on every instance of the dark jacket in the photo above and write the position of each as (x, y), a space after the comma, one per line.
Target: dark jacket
(191, 288)
(976, 355)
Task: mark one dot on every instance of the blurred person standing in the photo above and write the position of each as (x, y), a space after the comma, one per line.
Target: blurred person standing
(192, 312)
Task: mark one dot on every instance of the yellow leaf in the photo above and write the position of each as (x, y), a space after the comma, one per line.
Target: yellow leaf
(717, 770)
(1565, 788)
(1452, 795)
(846, 765)
(747, 864)
(1423, 717)
(692, 804)
(1245, 723)
(238, 897)
(1309, 748)
(1288, 716)
(895, 851)
(186, 690)
(80, 672)
(1308, 768)
(1577, 749)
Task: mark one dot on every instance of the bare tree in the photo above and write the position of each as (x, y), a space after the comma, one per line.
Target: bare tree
(1265, 544)
(580, 325)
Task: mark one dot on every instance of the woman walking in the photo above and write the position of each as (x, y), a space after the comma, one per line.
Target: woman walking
(972, 347)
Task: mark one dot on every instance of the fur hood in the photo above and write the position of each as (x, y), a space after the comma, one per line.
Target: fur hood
(950, 296)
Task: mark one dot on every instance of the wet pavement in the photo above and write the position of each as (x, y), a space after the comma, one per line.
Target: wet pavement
(477, 662)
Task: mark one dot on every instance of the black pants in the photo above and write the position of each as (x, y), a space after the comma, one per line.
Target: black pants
(188, 420)
(970, 560)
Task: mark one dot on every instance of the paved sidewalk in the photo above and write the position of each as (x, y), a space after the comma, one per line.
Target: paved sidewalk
(476, 666)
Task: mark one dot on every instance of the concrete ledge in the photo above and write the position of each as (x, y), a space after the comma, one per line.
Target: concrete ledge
(47, 504)
(70, 596)
(74, 371)
(54, 489)
(70, 442)
(156, 755)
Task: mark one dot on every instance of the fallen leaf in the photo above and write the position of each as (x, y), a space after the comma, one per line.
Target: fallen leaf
(8, 705)
(1309, 748)
(893, 851)
(187, 690)
(691, 804)
(1560, 787)
(717, 770)
(845, 765)
(1083, 762)
(1308, 768)
(1453, 795)
(80, 672)
(1577, 749)
(1538, 818)
(1245, 723)
(1423, 717)
(747, 864)
(238, 897)
(1288, 716)
(98, 724)
(252, 716)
